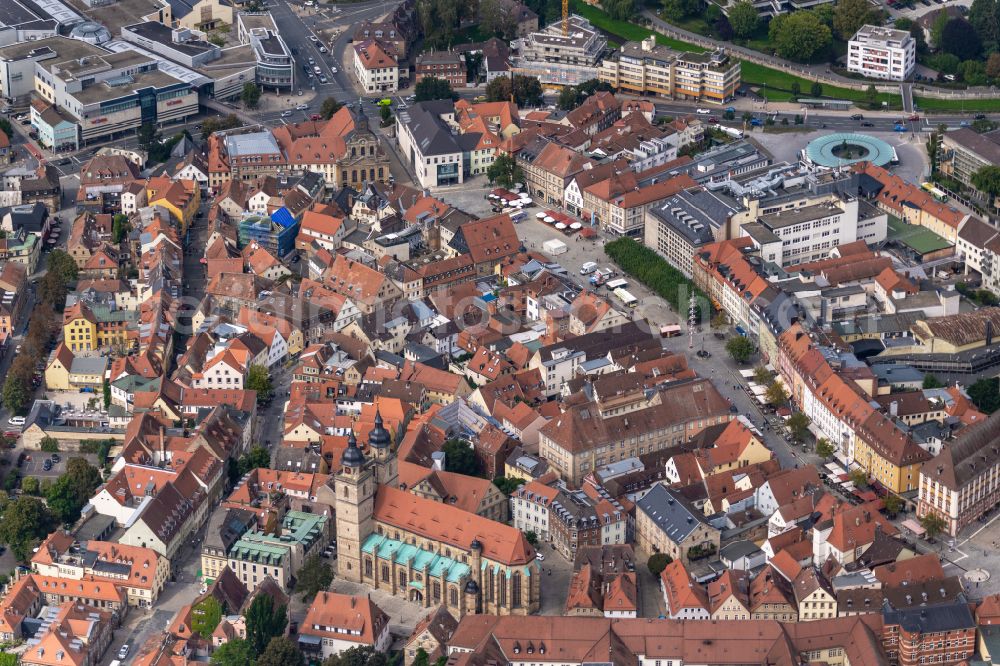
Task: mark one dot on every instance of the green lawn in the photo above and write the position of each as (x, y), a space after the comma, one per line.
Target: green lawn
(934, 104)
(779, 85)
(628, 31)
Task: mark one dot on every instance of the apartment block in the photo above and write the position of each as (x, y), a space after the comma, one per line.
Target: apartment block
(646, 67)
(882, 53)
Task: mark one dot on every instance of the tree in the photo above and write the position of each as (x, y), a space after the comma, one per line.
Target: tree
(933, 146)
(440, 19)
(723, 28)
(993, 66)
(460, 457)
(762, 375)
(916, 31)
(314, 576)
(959, 38)
(49, 445)
(531, 537)
(933, 524)
(740, 348)
(508, 484)
(357, 656)
(871, 94)
(119, 227)
(256, 457)
(205, 616)
(16, 393)
(498, 18)
(816, 89)
(678, 9)
(330, 106)
(937, 28)
(850, 15)
(987, 180)
(798, 425)
(825, 448)
(61, 263)
(265, 620)
(985, 394)
(569, 98)
(259, 380)
(430, 87)
(234, 652)
(744, 19)
(621, 10)
(281, 651)
(385, 112)
(52, 291)
(892, 504)
(799, 36)
(504, 171)
(984, 15)
(932, 382)
(24, 522)
(973, 73)
(6, 128)
(7, 658)
(250, 95)
(796, 88)
(72, 490)
(657, 562)
(210, 125)
(527, 90)
(30, 485)
(148, 137)
(776, 394)
(858, 477)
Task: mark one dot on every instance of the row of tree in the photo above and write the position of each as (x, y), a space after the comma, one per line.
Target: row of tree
(25, 521)
(652, 270)
(51, 292)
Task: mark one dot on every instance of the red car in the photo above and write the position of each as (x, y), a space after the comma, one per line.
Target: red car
(915, 117)
(315, 116)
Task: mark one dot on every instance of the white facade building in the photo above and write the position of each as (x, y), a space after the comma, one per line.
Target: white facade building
(882, 53)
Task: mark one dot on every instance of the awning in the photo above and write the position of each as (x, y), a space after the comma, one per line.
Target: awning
(913, 526)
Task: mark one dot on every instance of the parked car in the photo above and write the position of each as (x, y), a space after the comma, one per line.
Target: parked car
(47, 465)
(123, 652)
(322, 49)
(322, 78)
(315, 116)
(702, 112)
(301, 107)
(16, 421)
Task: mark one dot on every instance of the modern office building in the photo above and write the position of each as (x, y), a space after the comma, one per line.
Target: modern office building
(882, 53)
(113, 94)
(275, 64)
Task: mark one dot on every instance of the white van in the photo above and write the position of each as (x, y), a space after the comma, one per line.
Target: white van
(588, 268)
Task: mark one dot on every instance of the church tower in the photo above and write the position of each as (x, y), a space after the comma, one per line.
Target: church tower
(355, 488)
(380, 445)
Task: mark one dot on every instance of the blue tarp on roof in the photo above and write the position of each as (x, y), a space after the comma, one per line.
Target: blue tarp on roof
(283, 216)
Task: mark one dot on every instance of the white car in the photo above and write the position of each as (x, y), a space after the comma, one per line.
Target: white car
(313, 38)
(16, 420)
(702, 112)
(539, 556)
(123, 652)
(333, 69)
(322, 49)
(302, 107)
(285, 114)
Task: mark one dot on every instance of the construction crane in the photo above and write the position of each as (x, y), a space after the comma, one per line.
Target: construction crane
(565, 4)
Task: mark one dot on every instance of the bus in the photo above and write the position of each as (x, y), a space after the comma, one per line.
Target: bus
(617, 284)
(627, 299)
(934, 192)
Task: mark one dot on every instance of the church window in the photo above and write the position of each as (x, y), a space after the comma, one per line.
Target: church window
(516, 591)
(368, 566)
(454, 597)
